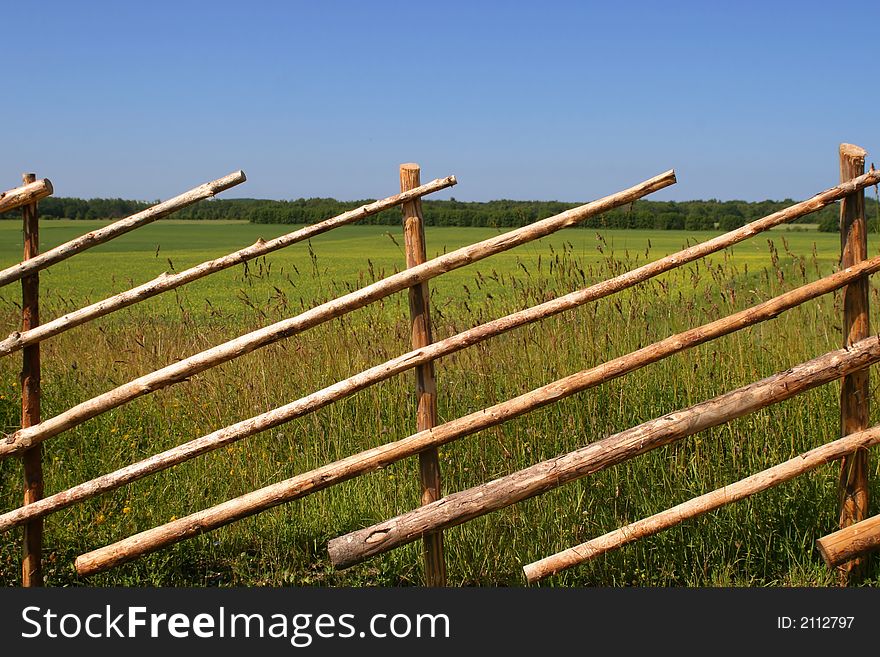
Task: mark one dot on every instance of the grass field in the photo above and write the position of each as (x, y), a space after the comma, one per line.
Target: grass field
(765, 541)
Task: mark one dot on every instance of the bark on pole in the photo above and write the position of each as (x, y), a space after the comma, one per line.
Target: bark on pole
(166, 281)
(181, 370)
(466, 505)
(698, 506)
(347, 387)
(32, 548)
(426, 384)
(96, 237)
(846, 544)
(28, 194)
(821, 370)
(854, 390)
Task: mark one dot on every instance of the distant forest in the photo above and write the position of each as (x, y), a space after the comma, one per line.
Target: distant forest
(658, 215)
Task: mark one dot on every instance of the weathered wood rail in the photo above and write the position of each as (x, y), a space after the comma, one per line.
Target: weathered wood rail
(29, 193)
(778, 474)
(851, 541)
(438, 512)
(378, 457)
(463, 506)
(420, 356)
(183, 369)
(102, 235)
(315, 401)
(32, 333)
(166, 281)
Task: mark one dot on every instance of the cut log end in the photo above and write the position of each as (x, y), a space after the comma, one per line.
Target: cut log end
(826, 557)
(31, 192)
(233, 179)
(335, 552)
(851, 542)
(852, 151)
(83, 567)
(410, 166)
(531, 573)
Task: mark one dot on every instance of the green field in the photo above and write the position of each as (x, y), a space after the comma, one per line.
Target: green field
(765, 541)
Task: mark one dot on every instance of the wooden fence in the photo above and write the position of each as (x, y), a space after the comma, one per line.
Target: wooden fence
(850, 365)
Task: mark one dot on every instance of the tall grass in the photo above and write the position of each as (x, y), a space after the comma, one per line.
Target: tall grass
(765, 541)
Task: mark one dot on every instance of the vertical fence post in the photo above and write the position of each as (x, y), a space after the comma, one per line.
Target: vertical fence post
(854, 390)
(31, 565)
(426, 389)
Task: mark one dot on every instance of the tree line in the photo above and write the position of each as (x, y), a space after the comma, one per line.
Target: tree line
(656, 215)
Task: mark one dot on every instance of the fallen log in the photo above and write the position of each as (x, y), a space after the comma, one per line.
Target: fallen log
(320, 399)
(698, 506)
(117, 228)
(25, 195)
(181, 370)
(166, 282)
(468, 504)
(844, 544)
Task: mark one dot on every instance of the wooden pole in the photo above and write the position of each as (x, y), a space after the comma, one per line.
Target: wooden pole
(846, 544)
(409, 360)
(818, 371)
(166, 281)
(28, 194)
(698, 506)
(854, 390)
(426, 384)
(32, 548)
(96, 237)
(182, 370)
(468, 504)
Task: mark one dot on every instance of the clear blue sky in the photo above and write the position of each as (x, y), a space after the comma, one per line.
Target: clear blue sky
(524, 100)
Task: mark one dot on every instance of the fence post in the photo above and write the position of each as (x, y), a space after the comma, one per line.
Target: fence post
(31, 564)
(426, 389)
(854, 392)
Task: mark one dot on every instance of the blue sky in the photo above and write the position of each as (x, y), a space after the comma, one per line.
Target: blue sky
(523, 100)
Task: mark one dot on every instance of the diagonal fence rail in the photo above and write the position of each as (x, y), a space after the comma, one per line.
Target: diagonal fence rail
(114, 230)
(450, 430)
(29, 193)
(466, 505)
(384, 455)
(437, 514)
(764, 480)
(166, 281)
(33, 333)
(183, 369)
(841, 549)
